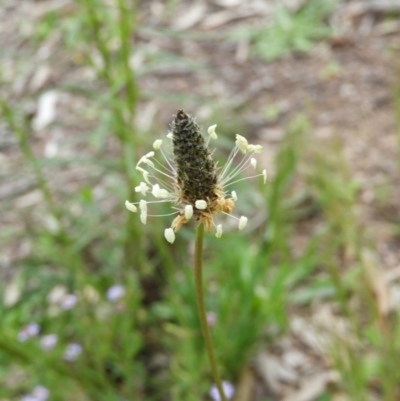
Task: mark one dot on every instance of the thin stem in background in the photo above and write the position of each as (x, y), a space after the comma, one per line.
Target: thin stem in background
(73, 259)
(123, 112)
(198, 264)
(26, 150)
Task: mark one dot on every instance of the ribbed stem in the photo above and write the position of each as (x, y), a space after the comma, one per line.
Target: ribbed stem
(198, 263)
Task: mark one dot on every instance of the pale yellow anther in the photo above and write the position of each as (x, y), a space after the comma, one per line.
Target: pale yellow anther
(140, 162)
(242, 222)
(157, 144)
(188, 212)
(143, 217)
(143, 205)
(201, 204)
(218, 233)
(211, 131)
(164, 193)
(170, 135)
(257, 149)
(148, 162)
(156, 191)
(142, 188)
(234, 196)
(241, 143)
(145, 174)
(146, 177)
(264, 173)
(130, 206)
(169, 235)
(253, 162)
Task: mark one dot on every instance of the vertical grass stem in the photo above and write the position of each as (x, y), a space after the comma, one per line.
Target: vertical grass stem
(198, 265)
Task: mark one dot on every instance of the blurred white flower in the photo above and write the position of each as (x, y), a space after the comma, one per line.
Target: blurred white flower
(104, 311)
(53, 310)
(228, 389)
(115, 292)
(91, 294)
(48, 342)
(72, 352)
(68, 301)
(12, 294)
(30, 330)
(56, 294)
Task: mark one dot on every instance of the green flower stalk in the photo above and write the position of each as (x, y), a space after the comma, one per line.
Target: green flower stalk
(197, 188)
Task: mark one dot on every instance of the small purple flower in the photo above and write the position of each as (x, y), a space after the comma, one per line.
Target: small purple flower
(115, 292)
(40, 393)
(211, 318)
(48, 342)
(228, 389)
(28, 397)
(22, 336)
(30, 330)
(72, 352)
(68, 301)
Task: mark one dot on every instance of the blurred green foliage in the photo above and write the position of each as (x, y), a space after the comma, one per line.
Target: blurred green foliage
(147, 344)
(288, 32)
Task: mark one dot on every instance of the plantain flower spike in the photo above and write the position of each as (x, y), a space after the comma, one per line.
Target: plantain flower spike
(190, 179)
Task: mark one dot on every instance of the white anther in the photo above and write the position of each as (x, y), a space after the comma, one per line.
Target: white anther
(201, 204)
(169, 235)
(218, 234)
(170, 135)
(130, 206)
(164, 193)
(253, 162)
(140, 162)
(143, 205)
(188, 212)
(234, 196)
(211, 131)
(255, 148)
(148, 162)
(242, 222)
(145, 174)
(241, 143)
(146, 177)
(157, 144)
(143, 217)
(142, 188)
(264, 173)
(156, 191)
(150, 154)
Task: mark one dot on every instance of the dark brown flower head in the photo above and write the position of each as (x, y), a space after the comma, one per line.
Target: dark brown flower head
(195, 187)
(196, 175)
